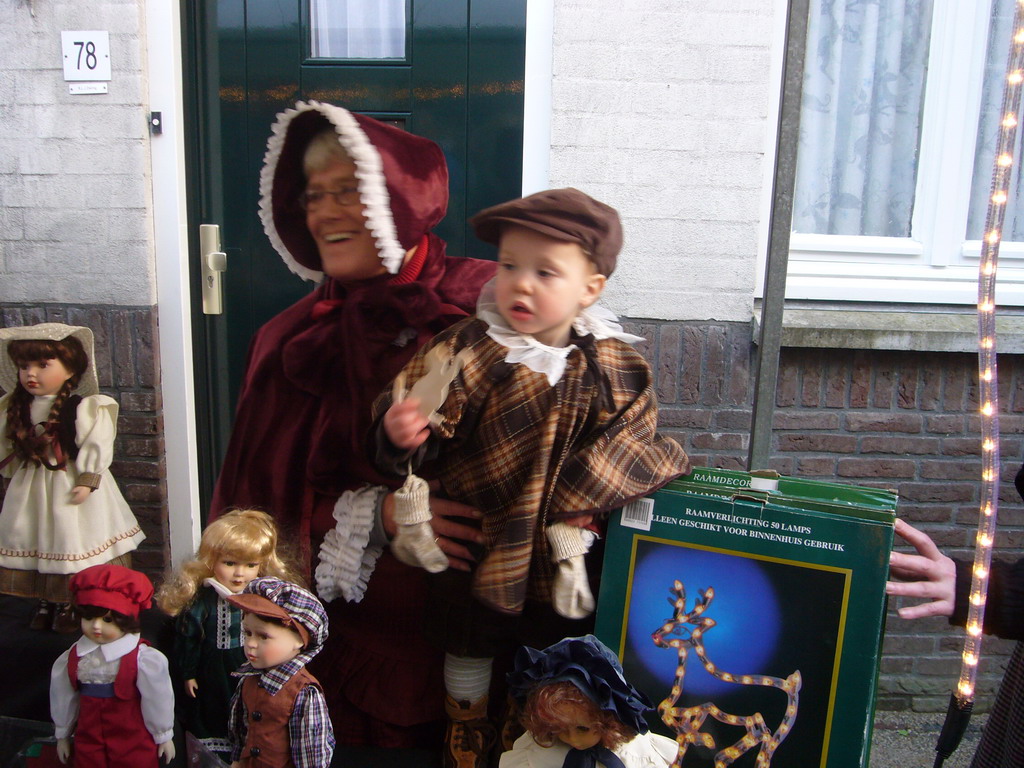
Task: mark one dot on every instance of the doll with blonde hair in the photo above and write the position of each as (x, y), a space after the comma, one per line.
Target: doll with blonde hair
(234, 549)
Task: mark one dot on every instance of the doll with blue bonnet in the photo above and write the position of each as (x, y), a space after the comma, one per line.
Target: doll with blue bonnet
(539, 413)
(579, 711)
(62, 511)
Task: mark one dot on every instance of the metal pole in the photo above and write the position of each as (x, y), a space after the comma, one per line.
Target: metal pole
(781, 218)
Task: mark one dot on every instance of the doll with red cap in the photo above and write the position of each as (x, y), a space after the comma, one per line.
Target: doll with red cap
(110, 690)
(278, 714)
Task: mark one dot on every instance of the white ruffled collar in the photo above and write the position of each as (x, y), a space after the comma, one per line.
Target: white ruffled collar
(217, 587)
(594, 321)
(115, 649)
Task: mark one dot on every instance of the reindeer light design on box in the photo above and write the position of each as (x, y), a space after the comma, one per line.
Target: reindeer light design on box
(686, 629)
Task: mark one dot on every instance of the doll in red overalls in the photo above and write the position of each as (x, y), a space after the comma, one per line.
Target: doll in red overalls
(110, 689)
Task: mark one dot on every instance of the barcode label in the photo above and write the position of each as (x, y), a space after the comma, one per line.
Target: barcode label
(638, 514)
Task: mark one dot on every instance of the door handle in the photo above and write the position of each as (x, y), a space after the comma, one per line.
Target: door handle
(213, 262)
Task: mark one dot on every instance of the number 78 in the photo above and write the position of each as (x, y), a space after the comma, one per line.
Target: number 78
(89, 47)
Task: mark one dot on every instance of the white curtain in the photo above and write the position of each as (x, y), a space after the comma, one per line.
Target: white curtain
(1000, 30)
(860, 116)
(358, 29)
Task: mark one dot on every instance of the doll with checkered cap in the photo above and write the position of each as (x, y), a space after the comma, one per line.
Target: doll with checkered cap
(111, 691)
(63, 511)
(278, 713)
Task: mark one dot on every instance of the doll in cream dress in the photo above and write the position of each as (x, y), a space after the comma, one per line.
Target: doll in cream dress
(62, 511)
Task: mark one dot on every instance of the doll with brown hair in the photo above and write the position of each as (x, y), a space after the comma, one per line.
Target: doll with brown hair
(110, 690)
(580, 712)
(62, 511)
(278, 715)
(234, 549)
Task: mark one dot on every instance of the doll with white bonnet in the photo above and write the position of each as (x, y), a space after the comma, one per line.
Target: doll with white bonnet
(579, 711)
(110, 690)
(234, 549)
(62, 511)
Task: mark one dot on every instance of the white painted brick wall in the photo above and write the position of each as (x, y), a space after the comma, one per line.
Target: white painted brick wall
(75, 210)
(659, 109)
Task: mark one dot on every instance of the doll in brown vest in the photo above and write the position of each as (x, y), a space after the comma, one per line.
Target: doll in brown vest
(278, 714)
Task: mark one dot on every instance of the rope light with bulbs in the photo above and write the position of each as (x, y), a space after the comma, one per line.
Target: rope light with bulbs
(962, 700)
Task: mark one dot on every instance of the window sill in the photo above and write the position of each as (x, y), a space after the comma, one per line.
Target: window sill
(894, 329)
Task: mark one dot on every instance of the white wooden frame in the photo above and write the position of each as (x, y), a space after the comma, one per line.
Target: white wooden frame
(936, 264)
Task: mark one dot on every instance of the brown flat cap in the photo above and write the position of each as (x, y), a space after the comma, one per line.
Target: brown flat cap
(563, 214)
(293, 606)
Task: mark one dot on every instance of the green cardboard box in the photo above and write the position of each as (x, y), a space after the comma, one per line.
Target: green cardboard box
(751, 613)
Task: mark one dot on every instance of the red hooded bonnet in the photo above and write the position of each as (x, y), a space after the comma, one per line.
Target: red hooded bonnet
(402, 179)
(315, 368)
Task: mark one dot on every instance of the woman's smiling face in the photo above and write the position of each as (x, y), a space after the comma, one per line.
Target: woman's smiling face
(347, 249)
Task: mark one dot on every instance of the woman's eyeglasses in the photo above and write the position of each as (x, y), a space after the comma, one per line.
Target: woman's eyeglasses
(312, 198)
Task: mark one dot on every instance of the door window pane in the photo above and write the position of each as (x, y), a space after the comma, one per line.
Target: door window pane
(860, 117)
(357, 29)
(1000, 31)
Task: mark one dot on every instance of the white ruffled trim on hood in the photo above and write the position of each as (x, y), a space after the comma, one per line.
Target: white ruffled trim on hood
(594, 320)
(373, 192)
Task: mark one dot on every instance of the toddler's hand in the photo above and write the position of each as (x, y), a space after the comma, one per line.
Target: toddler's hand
(405, 426)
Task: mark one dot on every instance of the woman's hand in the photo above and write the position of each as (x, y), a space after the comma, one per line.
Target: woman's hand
(928, 574)
(447, 525)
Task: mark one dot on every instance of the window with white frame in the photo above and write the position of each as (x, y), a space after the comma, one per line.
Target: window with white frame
(357, 29)
(899, 114)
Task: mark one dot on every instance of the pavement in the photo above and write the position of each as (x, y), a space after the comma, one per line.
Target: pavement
(907, 740)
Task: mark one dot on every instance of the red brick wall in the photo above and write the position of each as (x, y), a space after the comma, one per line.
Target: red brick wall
(902, 420)
(126, 339)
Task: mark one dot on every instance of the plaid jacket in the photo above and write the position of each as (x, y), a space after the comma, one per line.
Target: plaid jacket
(528, 454)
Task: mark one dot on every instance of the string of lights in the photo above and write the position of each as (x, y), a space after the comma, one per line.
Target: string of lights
(962, 699)
(987, 374)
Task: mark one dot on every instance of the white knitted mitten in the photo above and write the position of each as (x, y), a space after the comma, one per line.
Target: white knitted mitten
(414, 544)
(571, 594)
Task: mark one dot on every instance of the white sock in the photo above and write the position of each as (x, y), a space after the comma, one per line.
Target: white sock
(465, 678)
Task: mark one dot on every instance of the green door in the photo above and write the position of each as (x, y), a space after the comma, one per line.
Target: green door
(450, 70)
